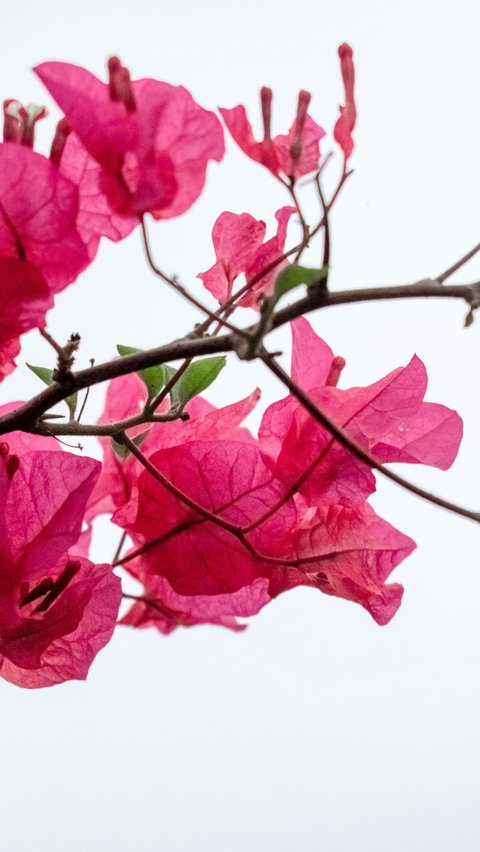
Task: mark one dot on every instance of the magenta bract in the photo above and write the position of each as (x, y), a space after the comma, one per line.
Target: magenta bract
(57, 609)
(276, 154)
(388, 418)
(152, 140)
(239, 247)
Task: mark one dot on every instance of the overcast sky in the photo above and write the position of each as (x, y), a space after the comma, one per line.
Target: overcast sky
(315, 729)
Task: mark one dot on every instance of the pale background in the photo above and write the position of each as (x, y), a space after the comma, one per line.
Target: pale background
(316, 729)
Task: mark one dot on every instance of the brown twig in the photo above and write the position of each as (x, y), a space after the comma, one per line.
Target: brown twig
(179, 288)
(24, 417)
(458, 265)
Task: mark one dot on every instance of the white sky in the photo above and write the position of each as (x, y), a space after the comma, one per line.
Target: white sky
(316, 729)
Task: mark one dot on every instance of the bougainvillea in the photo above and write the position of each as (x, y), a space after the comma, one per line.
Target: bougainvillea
(239, 247)
(57, 610)
(214, 522)
(151, 140)
(292, 155)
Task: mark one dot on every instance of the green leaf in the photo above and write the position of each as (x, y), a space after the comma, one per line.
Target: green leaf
(169, 373)
(45, 374)
(293, 276)
(198, 377)
(153, 378)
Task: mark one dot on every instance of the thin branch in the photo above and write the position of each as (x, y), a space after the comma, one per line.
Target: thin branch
(425, 289)
(51, 340)
(158, 399)
(326, 228)
(104, 430)
(24, 417)
(177, 492)
(116, 557)
(458, 265)
(163, 610)
(205, 514)
(290, 185)
(358, 451)
(179, 288)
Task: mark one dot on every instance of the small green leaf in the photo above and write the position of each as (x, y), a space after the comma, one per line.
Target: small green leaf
(45, 374)
(169, 373)
(198, 377)
(293, 276)
(153, 378)
(72, 404)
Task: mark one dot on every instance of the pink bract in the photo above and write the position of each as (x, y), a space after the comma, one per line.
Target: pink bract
(25, 299)
(195, 571)
(276, 154)
(39, 227)
(41, 251)
(236, 238)
(388, 418)
(224, 477)
(125, 398)
(96, 217)
(152, 140)
(238, 244)
(348, 553)
(56, 610)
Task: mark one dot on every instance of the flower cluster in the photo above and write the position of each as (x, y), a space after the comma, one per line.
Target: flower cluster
(219, 522)
(233, 521)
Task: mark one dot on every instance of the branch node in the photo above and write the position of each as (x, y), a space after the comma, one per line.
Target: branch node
(66, 356)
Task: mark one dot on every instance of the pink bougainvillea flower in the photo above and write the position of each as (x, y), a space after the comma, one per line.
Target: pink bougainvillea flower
(196, 556)
(56, 610)
(388, 418)
(38, 228)
(348, 113)
(236, 238)
(96, 217)
(195, 571)
(25, 298)
(238, 244)
(152, 140)
(348, 553)
(126, 397)
(292, 155)
(41, 251)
